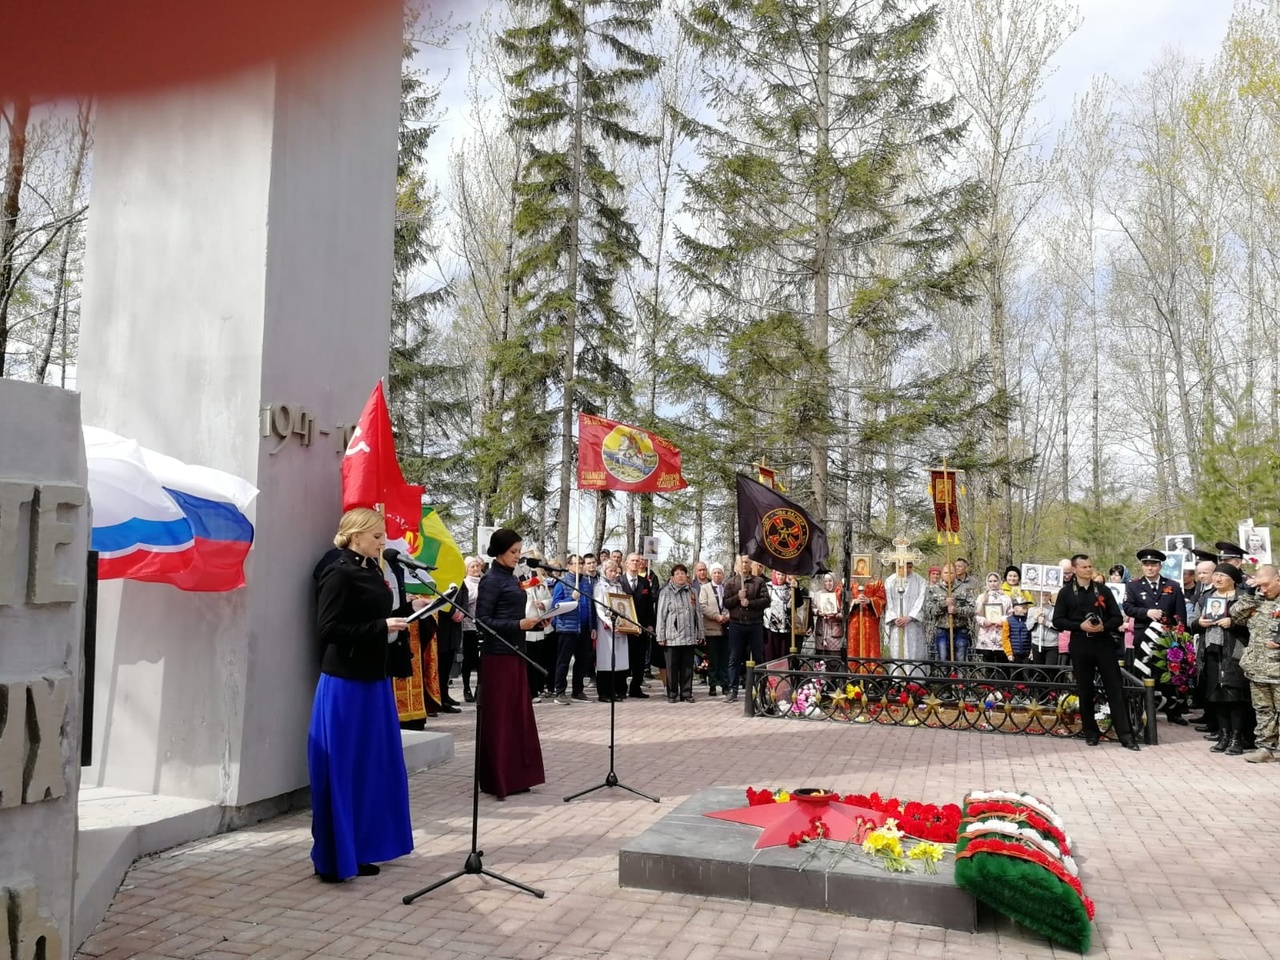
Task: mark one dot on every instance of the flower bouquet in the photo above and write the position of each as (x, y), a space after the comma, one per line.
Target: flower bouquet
(1173, 660)
(1014, 854)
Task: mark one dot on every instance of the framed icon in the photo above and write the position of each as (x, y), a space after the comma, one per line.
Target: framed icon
(625, 605)
(800, 622)
(993, 611)
(861, 565)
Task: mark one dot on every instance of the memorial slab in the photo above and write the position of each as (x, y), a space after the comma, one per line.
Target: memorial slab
(687, 852)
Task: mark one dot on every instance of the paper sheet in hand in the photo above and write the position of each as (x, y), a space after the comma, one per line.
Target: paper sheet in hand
(435, 604)
(562, 610)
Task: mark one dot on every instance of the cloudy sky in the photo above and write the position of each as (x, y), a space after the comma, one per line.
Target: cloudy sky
(1120, 38)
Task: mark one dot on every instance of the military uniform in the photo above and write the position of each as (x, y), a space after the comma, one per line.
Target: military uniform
(1143, 594)
(1261, 664)
(937, 625)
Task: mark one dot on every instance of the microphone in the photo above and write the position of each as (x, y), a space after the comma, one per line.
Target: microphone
(543, 565)
(392, 555)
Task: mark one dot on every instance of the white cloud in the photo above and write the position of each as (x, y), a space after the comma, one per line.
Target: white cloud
(1123, 38)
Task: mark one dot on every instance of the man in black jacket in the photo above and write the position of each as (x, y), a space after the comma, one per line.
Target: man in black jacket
(746, 595)
(1089, 611)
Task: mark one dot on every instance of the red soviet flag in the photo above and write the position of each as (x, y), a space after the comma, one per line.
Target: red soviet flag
(371, 475)
(617, 456)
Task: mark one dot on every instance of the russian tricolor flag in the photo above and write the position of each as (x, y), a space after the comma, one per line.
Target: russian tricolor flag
(164, 521)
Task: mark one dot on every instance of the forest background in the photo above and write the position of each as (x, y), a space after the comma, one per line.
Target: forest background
(846, 238)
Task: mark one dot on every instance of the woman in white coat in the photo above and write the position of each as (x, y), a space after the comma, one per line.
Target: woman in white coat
(613, 651)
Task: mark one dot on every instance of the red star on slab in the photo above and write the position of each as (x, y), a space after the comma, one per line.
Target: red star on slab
(780, 820)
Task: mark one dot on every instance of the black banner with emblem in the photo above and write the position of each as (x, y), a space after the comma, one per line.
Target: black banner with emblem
(778, 532)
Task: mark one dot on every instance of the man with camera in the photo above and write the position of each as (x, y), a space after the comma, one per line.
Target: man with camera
(1089, 612)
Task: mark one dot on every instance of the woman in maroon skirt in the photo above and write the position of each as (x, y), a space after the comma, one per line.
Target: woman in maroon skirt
(510, 754)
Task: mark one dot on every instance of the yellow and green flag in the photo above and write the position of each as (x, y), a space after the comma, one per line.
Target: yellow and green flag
(433, 544)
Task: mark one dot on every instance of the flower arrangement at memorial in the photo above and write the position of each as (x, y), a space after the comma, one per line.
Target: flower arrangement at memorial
(920, 821)
(1174, 660)
(1014, 854)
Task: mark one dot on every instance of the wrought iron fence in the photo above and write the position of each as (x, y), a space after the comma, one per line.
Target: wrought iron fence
(989, 697)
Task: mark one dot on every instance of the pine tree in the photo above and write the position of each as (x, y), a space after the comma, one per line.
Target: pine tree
(574, 68)
(828, 223)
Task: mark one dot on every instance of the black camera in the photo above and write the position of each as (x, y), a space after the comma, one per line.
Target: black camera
(1093, 620)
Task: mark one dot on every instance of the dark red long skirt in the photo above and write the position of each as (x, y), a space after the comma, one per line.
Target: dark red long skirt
(510, 754)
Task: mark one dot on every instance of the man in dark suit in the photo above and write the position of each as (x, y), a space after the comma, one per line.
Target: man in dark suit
(1151, 599)
(640, 587)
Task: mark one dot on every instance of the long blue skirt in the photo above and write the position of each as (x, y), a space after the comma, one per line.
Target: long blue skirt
(359, 787)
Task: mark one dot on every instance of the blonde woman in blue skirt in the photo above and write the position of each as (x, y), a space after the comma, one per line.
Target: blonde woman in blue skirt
(359, 787)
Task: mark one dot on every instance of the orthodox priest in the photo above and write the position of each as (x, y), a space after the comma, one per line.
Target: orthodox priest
(866, 607)
(904, 613)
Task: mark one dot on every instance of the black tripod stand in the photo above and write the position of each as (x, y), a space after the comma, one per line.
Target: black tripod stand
(474, 863)
(610, 778)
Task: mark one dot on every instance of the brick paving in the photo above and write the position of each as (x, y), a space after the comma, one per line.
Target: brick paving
(1177, 846)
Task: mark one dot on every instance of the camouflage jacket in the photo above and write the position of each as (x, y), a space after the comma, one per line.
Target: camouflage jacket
(1260, 662)
(935, 607)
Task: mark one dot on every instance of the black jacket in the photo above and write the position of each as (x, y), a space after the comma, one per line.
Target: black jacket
(1075, 604)
(757, 598)
(500, 605)
(351, 612)
(1166, 596)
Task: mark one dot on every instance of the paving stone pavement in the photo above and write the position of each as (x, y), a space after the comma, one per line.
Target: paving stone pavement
(1178, 847)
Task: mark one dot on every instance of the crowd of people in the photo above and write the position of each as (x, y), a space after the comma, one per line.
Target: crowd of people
(610, 624)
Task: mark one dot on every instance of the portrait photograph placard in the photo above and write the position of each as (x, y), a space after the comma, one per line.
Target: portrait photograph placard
(1172, 566)
(1032, 576)
(1051, 576)
(1182, 543)
(1256, 542)
(1117, 591)
(1215, 608)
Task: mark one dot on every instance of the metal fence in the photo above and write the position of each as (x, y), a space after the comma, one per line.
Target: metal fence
(988, 697)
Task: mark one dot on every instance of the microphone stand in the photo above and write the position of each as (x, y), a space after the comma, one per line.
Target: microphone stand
(475, 859)
(610, 778)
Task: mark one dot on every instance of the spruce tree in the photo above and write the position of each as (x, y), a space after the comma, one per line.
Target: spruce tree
(831, 235)
(426, 397)
(575, 63)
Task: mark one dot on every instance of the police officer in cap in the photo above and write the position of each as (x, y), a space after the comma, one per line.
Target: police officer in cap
(1153, 599)
(1233, 554)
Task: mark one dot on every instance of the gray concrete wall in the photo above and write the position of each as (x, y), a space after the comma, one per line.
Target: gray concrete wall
(42, 576)
(239, 256)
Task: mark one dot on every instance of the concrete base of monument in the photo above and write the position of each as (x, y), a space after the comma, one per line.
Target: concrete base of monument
(686, 852)
(116, 827)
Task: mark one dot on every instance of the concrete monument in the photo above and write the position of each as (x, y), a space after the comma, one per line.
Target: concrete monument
(44, 536)
(235, 315)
